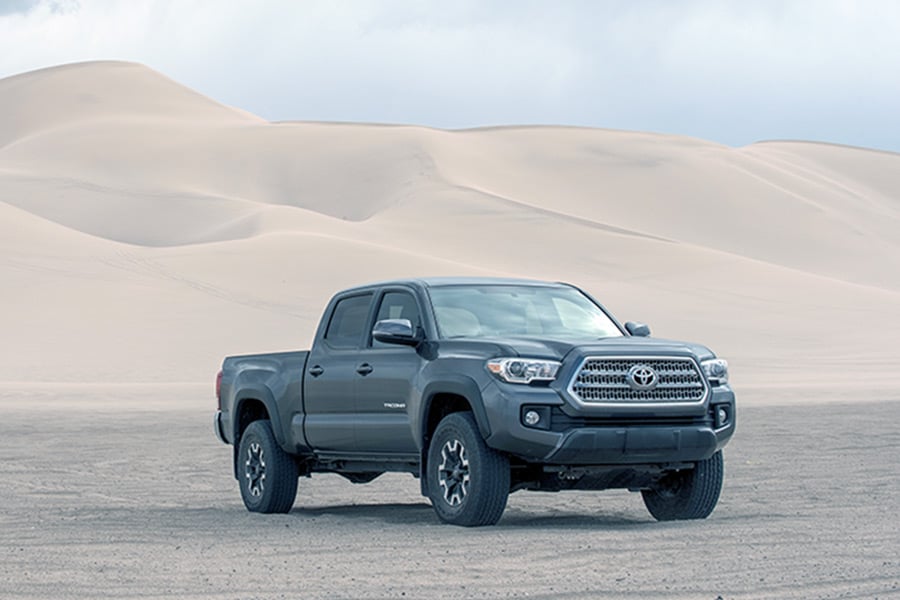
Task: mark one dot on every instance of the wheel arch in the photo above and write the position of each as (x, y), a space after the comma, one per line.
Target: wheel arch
(253, 404)
(451, 395)
(440, 399)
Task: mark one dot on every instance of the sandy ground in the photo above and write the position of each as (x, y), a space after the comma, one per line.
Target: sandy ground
(104, 498)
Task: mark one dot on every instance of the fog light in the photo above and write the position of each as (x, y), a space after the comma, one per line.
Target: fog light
(532, 418)
(723, 416)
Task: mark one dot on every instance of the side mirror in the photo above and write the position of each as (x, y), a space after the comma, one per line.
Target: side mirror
(395, 331)
(638, 329)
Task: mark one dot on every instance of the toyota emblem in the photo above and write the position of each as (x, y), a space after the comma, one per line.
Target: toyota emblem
(642, 377)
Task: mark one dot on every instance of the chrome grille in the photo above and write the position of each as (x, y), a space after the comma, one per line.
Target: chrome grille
(605, 380)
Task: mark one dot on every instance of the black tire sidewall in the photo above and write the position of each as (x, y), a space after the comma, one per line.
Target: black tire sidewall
(484, 473)
(447, 432)
(260, 432)
(696, 499)
(251, 436)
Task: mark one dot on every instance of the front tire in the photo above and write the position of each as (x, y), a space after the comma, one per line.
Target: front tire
(267, 474)
(468, 483)
(687, 494)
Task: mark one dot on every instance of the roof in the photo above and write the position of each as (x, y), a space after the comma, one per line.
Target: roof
(427, 282)
(441, 281)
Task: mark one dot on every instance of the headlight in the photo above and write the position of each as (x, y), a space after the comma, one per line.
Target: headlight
(523, 370)
(716, 370)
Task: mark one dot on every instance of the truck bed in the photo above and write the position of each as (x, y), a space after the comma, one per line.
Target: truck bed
(274, 378)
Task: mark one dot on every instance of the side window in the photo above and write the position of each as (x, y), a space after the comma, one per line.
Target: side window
(348, 321)
(397, 305)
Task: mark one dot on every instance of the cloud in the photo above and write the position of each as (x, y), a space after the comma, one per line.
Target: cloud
(727, 71)
(12, 7)
(17, 6)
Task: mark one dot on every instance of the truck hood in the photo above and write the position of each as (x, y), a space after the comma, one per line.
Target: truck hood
(531, 347)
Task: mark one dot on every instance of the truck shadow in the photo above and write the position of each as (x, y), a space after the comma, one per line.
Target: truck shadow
(610, 522)
(402, 513)
(423, 514)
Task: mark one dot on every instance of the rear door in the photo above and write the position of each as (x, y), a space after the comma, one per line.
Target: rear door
(331, 376)
(386, 381)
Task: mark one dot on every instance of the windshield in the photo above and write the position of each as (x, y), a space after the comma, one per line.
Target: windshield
(518, 310)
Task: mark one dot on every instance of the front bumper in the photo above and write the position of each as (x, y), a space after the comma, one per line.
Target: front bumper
(625, 445)
(578, 437)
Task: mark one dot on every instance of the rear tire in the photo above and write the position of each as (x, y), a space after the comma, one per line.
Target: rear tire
(468, 483)
(687, 494)
(267, 474)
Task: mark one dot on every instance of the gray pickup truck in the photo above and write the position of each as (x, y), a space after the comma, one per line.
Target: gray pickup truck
(480, 387)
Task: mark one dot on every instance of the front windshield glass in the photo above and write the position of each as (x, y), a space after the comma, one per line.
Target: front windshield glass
(518, 310)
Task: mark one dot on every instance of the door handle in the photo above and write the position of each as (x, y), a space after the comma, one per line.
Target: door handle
(364, 369)
(316, 371)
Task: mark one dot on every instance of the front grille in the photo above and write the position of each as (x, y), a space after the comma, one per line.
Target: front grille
(606, 380)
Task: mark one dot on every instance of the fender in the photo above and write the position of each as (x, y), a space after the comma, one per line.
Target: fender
(461, 385)
(264, 395)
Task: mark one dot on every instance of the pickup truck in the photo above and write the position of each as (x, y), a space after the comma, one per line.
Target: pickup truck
(480, 387)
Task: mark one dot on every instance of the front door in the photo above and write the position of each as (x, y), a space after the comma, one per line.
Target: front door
(386, 383)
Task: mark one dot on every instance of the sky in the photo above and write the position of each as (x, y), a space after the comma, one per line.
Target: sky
(733, 72)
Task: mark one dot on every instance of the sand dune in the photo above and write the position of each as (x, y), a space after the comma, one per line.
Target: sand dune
(146, 230)
(55, 98)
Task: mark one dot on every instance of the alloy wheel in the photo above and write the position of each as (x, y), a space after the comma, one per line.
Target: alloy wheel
(453, 472)
(255, 469)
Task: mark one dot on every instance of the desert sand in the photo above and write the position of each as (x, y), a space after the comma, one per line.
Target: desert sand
(147, 231)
